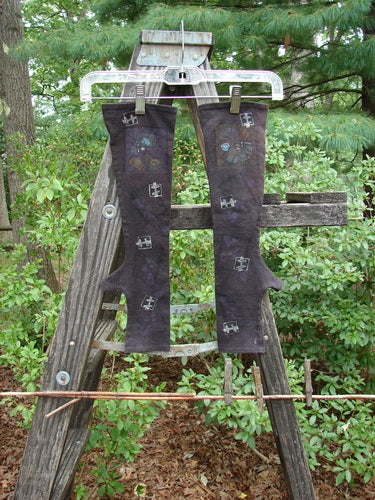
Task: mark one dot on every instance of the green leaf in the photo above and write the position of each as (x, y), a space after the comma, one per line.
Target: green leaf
(40, 195)
(340, 477)
(49, 193)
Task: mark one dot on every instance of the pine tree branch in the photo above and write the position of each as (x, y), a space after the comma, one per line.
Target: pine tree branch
(295, 59)
(299, 88)
(313, 95)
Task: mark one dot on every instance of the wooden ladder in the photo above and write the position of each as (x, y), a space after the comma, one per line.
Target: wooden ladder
(55, 444)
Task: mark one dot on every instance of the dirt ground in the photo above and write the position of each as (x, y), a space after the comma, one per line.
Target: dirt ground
(181, 458)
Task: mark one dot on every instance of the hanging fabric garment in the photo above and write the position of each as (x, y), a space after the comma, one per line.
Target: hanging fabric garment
(235, 150)
(142, 153)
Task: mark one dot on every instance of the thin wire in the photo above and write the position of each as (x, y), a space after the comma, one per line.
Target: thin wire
(185, 97)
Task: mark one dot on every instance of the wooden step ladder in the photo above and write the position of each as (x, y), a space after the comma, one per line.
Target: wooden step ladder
(55, 444)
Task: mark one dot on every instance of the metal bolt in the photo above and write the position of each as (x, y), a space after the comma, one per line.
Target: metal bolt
(109, 211)
(166, 54)
(63, 378)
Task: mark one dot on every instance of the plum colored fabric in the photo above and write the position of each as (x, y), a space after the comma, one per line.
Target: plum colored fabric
(142, 153)
(235, 150)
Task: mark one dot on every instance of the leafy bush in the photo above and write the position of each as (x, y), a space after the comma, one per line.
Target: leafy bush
(121, 424)
(324, 311)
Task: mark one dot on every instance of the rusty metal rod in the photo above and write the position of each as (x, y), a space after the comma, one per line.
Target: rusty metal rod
(158, 396)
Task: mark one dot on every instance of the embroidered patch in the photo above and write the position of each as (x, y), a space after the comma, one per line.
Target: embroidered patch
(247, 119)
(230, 327)
(235, 144)
(227, 202)
(155, 190)
(144, 242)
(241, 264)
(144, 150)
(129, 120)
(143, 144)
(239, 152)
(149, 303)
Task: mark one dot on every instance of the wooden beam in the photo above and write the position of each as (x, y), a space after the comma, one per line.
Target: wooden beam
(281, 215)
(282, 412)
(74, 447)
(71, 345)
(317, 197)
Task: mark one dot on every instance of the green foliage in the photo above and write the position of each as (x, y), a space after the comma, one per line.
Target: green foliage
(333, 431)
(28, 315)
(190, 184)
(57, 185)
(339, 135)
(121, 423)
(328, 273)
(242, 415)
(324, 311)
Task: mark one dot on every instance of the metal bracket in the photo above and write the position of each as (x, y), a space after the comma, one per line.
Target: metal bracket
(162, 48)
(178, 350)
(172, 75)
(181, 350)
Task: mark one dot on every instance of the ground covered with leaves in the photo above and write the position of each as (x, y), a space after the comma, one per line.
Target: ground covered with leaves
(181, 457)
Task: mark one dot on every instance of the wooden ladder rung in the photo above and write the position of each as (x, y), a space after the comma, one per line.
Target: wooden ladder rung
(178, 350)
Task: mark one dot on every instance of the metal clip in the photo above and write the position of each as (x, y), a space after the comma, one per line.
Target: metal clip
(235, 98)
(228, 387)
(140, 100)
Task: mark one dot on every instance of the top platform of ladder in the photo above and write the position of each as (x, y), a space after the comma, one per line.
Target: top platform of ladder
(178, 55)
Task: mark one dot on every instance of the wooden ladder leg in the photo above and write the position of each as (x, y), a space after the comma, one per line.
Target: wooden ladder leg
(275, 380)
(54, 444)
(71, 345)
(282, 412)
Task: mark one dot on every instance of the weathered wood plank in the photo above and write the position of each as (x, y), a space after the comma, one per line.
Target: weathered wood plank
(282, 412)
(82, 410)
(74, 447)
(72, 342)
(283, 215)
(317, 197)
(271, 199)
(71, 345)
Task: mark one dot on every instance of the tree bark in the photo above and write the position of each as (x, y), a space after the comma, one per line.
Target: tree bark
(18, 119)
(5, 227)
(368, 105)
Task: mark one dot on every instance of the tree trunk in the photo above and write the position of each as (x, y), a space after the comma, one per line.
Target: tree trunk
(368, 105)
(18, 119)
(5, 227)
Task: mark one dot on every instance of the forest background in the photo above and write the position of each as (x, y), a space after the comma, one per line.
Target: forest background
(321, 137)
